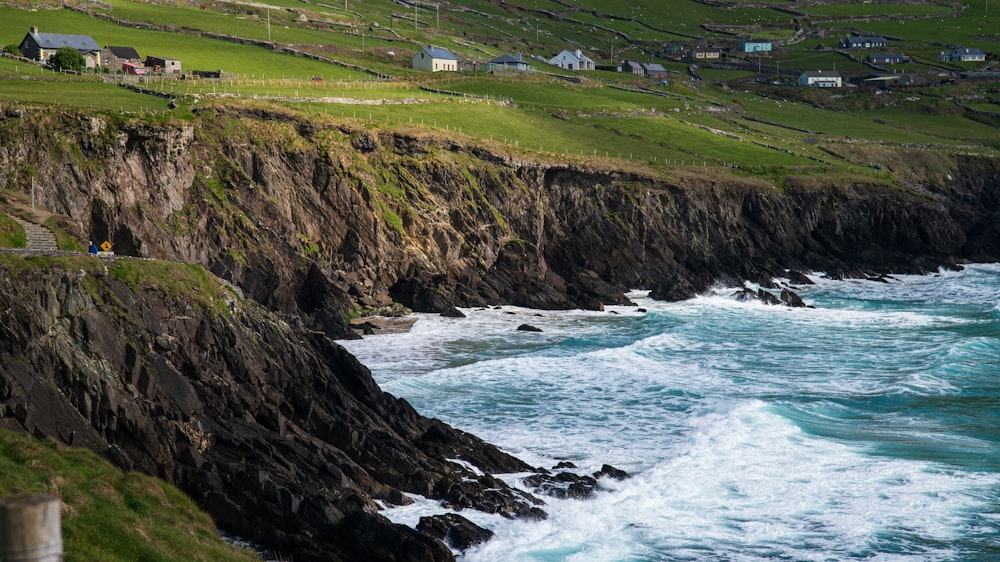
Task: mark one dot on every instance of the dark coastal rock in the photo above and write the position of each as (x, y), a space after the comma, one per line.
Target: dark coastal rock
(369, 536)
(452, 312)
(611, 472)
(768, 298)
(455, 530)
(280, 434)
(528, 328)
(799, 278)
(791, 299)
(562, 485)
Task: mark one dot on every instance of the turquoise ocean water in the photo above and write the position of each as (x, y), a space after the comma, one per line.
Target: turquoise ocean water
(866, 428)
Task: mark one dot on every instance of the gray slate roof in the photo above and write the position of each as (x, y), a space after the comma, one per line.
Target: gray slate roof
(123, 52)
(508, 59)
(82, 43)
(439, 53)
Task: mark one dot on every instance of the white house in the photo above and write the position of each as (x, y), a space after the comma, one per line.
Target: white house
(821, 79)
(962, 54)
(435, 59)
(572, 60)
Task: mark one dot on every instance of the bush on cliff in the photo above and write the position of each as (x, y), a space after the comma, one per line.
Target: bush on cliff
(108, 514)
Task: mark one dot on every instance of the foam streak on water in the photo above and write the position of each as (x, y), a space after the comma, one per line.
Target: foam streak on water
(867, 428)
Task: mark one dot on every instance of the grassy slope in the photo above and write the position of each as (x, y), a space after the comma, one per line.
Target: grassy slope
(550, 116)
(109, 515)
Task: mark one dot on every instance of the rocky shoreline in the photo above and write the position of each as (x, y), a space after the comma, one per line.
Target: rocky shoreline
(249, 406)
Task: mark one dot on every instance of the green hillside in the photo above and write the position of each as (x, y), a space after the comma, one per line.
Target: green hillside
(351, 60)
(109, 515)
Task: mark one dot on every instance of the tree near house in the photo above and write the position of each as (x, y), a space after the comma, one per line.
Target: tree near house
(67, 58)
(12, 49)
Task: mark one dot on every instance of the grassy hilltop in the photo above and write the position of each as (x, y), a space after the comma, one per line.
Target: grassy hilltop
(741, 112)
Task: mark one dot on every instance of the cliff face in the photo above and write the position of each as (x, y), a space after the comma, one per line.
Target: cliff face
(323, 220)
(275, 430)
(279, 433)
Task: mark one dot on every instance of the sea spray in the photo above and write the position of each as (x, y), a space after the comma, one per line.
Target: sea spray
(864, 428)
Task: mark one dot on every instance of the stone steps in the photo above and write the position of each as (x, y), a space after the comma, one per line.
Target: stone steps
(39, 238)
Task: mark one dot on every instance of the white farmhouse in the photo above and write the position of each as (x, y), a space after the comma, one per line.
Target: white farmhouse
(435, 59)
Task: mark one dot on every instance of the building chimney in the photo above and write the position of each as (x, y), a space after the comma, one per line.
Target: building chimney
(34, 30)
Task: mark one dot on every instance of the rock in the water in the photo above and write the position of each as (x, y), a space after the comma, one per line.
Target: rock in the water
(791, 299)
(767, 298)
(611, 472)
(799, 278)
(564, 485)
(452, 312)
(455, 530)
(528, 328)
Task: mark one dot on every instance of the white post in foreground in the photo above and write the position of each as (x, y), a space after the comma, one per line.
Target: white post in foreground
(30, 529)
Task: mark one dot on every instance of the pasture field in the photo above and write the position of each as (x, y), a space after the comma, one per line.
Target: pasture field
(27, 83)
(683, 121)
(849, 11)
(195, 52)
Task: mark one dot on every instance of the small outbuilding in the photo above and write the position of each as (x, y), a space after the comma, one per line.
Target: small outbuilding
(161, 65)
(115, 57)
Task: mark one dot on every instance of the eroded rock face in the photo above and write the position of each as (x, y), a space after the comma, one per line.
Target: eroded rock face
(276, 431)
(320, 219)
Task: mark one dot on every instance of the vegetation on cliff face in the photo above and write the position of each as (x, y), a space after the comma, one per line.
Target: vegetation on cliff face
(108, 514)
(11, 233)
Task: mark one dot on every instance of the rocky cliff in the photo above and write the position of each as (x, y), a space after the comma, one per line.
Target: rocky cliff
(324, 220)
(252, 410)
(278, 432)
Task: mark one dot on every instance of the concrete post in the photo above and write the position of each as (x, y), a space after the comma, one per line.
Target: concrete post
(30, 529)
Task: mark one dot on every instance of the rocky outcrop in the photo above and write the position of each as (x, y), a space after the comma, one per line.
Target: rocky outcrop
(323, 220)
(276, 431)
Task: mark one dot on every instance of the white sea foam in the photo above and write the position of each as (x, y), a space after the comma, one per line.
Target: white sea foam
(746, 480)
(754, 432)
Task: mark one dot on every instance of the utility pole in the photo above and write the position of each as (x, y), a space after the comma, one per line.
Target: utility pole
(437, 15)
(414, 17)
(32, 194)
(269, 25)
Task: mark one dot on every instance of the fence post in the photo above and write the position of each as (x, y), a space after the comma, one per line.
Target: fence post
(30, 528)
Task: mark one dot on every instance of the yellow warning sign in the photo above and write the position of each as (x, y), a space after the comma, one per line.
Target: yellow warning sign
(106, 246)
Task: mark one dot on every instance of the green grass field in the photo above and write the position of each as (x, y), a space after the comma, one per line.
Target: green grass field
(550, 116)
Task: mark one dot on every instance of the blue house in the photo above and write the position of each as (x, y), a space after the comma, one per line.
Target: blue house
(755, 46)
